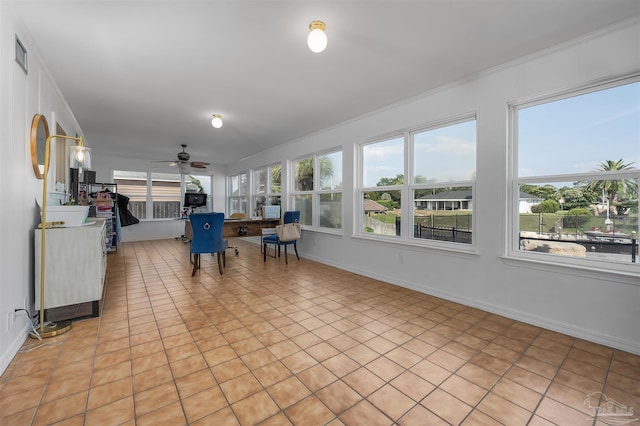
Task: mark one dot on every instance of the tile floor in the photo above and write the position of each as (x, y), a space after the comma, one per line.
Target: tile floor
(303, 344)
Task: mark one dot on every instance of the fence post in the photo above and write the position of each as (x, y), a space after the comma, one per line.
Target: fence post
(634, 247)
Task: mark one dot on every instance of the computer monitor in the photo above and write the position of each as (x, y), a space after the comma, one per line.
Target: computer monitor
(194, 199)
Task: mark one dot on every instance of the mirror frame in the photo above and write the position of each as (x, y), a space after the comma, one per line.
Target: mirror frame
(38, 120)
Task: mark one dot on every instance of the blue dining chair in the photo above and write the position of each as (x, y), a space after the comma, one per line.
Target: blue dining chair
(288, 217)
(207, 238)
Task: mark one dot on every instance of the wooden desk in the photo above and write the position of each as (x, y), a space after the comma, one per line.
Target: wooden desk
(238, 227)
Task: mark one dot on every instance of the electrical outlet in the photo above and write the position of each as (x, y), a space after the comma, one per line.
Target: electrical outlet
(11, 317)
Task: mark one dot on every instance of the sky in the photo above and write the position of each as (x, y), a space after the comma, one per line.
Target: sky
(573, 135)
(444, 154)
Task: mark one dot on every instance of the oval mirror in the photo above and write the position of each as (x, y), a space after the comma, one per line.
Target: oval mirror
(38, 137)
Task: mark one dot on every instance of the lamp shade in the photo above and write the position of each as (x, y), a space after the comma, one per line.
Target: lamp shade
(184, 167)
(80, 157)
(317, 39)
(216, 121)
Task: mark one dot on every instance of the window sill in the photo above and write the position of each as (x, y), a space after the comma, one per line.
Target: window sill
(330, 231)
(456, 249)
(584, 271)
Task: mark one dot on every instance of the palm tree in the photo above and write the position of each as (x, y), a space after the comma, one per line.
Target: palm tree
(613, 187)
(304, 172)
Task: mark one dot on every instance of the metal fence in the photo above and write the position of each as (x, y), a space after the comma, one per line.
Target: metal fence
(455, 228)
(443, 234)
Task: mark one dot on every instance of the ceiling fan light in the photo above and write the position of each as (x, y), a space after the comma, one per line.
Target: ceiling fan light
(184, 167)
(216, 121)
(317, 39)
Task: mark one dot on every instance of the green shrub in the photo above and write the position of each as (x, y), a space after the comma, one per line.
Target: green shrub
(549, 206)
(576, 218)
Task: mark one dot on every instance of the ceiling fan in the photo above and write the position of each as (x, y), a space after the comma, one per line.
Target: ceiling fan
(183, 164)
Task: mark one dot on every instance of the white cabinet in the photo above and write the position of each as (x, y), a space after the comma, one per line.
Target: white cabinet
(75, 264)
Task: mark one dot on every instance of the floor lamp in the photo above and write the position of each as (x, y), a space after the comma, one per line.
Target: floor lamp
(79, 153)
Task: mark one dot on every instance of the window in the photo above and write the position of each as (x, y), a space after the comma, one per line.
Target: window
(267, 188)
(134, 186)
(576, 175)
(200, 184)
(303, 189)
(382, 186)
(444, 167)
(238, 191)
(317, 190)
(441, 163)
(329, 193)
(165, 195)
(151, 195)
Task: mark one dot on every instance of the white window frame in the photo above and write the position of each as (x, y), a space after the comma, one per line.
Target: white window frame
(149, 197)
(582, 266)
(358, 229)
(407, 189)
(268, 194)
(458, 183)
(316, 190)
(242, 198)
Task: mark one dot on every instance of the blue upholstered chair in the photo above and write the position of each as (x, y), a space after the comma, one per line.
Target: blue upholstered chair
(288, 217)
(207, 238)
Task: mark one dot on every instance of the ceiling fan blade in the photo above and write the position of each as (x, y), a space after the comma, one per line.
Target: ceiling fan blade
(199, 164)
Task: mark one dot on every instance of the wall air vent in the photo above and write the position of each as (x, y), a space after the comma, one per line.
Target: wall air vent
(21, 55)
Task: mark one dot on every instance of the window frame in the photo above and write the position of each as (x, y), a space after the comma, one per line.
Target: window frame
(512, 251)
(148, 184)
(316, 192)
(269, 194)
(241, 198)
(412, 186)
(408, 187)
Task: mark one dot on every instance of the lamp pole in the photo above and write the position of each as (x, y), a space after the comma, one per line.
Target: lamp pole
(61, 327)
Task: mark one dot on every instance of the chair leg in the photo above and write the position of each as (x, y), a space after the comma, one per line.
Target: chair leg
(220, 263)
(286, 260)
(295, 247)
(264, 252)
(196, 263)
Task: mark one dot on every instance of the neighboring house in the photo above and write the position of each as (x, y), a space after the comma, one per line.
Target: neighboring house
(462, 200)
(446, 200)
(371, 206)
(527, 201)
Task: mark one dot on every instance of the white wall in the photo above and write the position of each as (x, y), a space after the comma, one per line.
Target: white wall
(21, 96)
(596, 306)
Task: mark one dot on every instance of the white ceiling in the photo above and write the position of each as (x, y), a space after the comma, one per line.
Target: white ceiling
(143, 77)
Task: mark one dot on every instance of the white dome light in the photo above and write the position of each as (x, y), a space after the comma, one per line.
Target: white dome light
(317, 39)
(216, 121)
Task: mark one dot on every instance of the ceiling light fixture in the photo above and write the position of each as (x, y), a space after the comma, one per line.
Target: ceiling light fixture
(216, 121)
(317, 39)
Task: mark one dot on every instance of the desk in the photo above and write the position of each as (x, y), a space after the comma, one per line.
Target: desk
(238, 227)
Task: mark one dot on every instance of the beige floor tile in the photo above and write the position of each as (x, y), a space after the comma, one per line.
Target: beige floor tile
(202, 404)
(288, 392)
(391, 401)
(446, 406)
(309, 411)
(111, 392)
(316, 345)
(255, 409)
(338, 397)
(503, 410)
